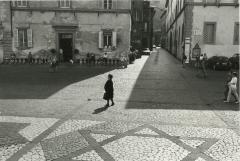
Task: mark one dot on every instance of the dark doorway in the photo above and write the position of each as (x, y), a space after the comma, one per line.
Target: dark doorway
(66, 44)
(145, 42)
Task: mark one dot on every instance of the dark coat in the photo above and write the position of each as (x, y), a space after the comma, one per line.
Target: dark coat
(109, 89)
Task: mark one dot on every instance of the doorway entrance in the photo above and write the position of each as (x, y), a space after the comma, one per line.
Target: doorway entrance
(66, 44)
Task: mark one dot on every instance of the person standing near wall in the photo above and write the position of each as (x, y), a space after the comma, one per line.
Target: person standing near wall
(30, 58)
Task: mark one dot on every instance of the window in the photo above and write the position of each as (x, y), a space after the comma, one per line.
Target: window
(236, 34)
(64, 3)
(107, 38)
(21, 3)
(107, 4)
(23, 38)
(209, 32)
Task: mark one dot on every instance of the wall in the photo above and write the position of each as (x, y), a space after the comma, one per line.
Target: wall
(225, 17)
(88, 26)
(5, 27)
(175, 18)
(82, 4)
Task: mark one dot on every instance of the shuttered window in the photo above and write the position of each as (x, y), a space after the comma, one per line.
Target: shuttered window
(107, 39)
(64, 3)
(107, 4)
(21, 3)
(209, 32)
(23, 38)
(236, 34)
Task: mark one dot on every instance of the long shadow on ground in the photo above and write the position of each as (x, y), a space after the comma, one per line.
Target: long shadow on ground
(36, 82)
(164, 84)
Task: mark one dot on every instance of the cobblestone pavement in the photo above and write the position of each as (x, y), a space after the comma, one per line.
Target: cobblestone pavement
(162, 113)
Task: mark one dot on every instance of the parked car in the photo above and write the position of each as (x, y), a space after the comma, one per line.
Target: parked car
(218, 63)
(234, 60)
(146, 51)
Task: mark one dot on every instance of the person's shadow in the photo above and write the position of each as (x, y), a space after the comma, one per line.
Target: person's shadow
(99, 110)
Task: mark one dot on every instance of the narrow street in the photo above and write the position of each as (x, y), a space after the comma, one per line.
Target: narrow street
(162, 112)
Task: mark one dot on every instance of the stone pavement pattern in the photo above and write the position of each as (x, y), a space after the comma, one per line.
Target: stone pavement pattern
(162, 113)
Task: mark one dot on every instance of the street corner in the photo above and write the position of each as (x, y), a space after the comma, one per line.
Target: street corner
(115, 141)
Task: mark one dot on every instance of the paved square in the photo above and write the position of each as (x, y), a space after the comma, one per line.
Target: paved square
(162, 113)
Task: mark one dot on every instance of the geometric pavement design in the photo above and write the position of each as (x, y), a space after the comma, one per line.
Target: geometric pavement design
(16, 132)
(109, 141)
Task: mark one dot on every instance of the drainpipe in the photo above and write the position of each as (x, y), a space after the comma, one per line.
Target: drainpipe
(11, 18)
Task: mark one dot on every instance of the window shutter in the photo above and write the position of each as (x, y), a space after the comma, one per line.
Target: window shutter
(100, 39)
(114, 38)
(15, 35)
(29, 38)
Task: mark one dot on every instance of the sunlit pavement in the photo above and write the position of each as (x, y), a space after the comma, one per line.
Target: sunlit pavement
(162, 112)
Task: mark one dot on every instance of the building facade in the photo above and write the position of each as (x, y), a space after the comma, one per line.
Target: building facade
(212, 24)
(142, 24)
(77, 27)
(163, 33)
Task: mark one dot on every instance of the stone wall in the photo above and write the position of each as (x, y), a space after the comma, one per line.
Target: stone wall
(88, 24)
(225, 18)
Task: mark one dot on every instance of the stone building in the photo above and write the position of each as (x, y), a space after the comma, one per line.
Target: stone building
(213, 24)
(163, 33)
(77, 27)
(142, 24)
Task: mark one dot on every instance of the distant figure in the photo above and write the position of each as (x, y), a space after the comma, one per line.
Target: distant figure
(123, 60)
(30, 58)
(227, 84)
(13, 57)
(88, 58)
(203, 60)
(53, 63)
(61, 55)
(184, 58)
(93, 58)
(233, 88)
(71, 61)
(205, 57)
(105, 58)
(108, 95)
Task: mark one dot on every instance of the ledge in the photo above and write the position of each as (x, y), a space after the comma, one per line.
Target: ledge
(74, 10)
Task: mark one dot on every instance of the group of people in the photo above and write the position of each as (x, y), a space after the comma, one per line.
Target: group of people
(91, 58)
(201, 63)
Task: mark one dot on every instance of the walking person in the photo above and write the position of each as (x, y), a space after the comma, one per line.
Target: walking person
(184, 58)
(233, 89)
(108, 95)
(203, 60)
(53, 63)
(227, 87)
